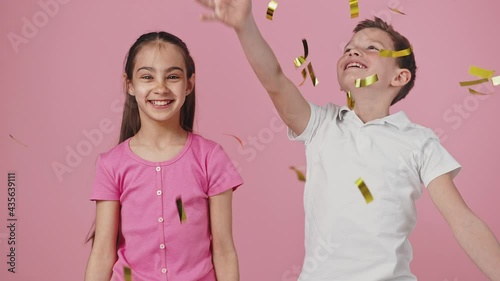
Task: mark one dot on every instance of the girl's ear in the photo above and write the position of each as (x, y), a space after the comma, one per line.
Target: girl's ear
(127, 85)
(190, 84)
(402, 78)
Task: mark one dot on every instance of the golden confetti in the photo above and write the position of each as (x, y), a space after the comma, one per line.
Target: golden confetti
(236, 138)
(354, 8)
(397, 11)
(495, 80)
(300, 174)
(271, 7)
(474, 92)
(473, 82)
(312, 75)
(298, 61)
(485, 75)
(127, 273)
(180, 209)
(395, 54)
(350, 101)
(304, 75)
(309, 69)
(364, 190)
(17, 141)
(481, 72)
(367, 81)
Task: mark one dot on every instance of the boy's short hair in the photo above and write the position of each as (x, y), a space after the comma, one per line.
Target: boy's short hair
(400, 43)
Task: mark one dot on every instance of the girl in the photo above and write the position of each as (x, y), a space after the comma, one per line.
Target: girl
(163, 194)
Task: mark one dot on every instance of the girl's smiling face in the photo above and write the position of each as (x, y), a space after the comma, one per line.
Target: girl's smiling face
(159, 82)
(361, 59)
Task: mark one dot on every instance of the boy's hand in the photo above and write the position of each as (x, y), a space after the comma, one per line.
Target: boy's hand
(233, 13)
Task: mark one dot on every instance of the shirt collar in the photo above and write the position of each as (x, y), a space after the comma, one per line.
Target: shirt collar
(398, 119)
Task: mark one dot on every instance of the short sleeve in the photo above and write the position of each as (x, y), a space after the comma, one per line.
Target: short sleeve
(319, 114)
(104, 187)
(435, 161)
(221, 173)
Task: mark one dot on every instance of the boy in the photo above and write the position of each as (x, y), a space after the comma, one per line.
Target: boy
(389, 153)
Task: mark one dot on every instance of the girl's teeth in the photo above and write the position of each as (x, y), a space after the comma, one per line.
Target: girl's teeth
(159, 102)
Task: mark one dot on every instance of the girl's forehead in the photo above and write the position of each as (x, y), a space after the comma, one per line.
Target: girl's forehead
(159, 53)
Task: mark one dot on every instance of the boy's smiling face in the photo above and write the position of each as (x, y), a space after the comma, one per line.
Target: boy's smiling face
(361, 59)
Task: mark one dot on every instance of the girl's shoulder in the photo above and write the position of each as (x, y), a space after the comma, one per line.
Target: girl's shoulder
(200, 144)
(200, 140)
(116, 154)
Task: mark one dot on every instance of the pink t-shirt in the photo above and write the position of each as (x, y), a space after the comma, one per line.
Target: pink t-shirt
(152, 241)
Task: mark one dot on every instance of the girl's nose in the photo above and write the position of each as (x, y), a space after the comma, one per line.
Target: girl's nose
(161, 88)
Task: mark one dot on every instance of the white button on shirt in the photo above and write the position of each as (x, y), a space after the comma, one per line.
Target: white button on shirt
(158, 168)
(347, 239)
(162, 246)
(158, 192)
(163, 270)
(160, 219)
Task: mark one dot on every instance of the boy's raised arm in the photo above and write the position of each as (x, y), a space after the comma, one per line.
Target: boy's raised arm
(289, 102)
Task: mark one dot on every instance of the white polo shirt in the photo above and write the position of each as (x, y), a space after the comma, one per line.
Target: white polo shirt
(347, 239)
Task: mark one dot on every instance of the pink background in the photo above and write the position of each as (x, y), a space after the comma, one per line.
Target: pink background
(65, 80)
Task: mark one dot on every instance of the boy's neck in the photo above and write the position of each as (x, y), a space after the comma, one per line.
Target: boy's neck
(369, 111)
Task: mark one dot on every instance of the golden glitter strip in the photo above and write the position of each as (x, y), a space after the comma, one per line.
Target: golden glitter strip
(481, 72)
(236, 138)
(304, 76)
(395, 54)
(298, 61)
(271, 7)
(473, 82)
(474, 92)
(312, 75)
(17, 140)
(367, 81)
(495, 80)
(350, 101)
(127, 273)
(180, 209)
(353, 4)
(300, 174)
(309, 69)
(364, 190)
(397, 11)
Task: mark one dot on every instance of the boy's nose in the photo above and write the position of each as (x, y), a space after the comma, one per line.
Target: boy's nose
(354, 52)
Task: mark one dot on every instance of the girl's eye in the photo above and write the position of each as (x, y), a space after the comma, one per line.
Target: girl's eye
(173, 76)
(347, 50)
(147, 77)
(372, 48)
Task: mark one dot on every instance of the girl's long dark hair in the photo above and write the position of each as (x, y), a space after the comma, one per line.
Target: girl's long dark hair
(131, 122)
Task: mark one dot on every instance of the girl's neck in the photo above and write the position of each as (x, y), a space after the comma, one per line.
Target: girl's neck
(158, 136)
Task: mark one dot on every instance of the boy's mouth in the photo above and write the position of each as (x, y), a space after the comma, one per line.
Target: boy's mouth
(355, 65)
